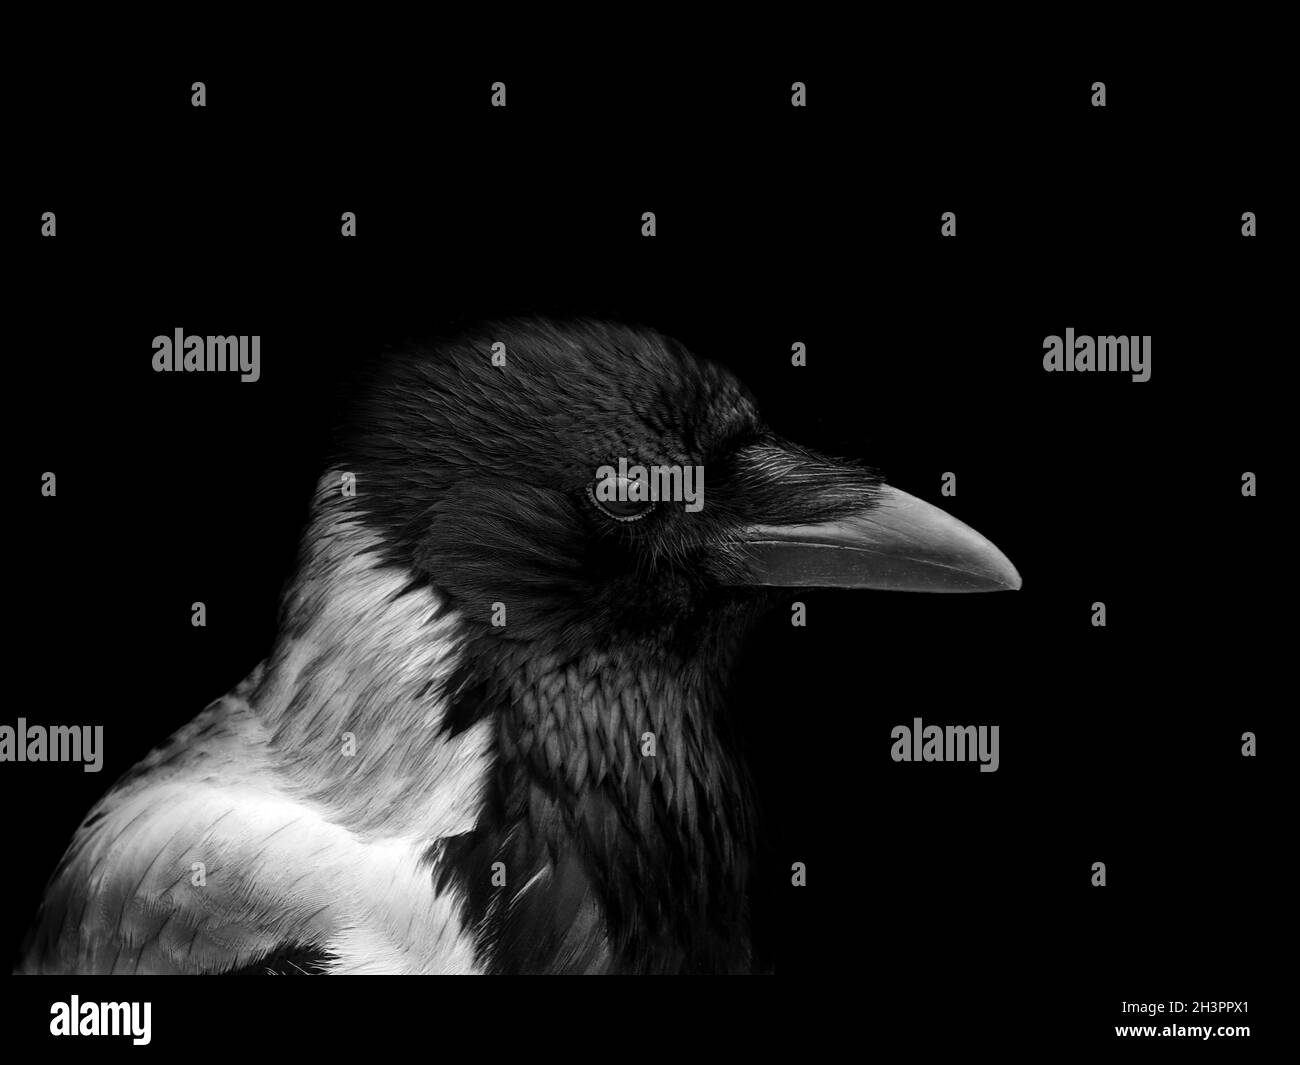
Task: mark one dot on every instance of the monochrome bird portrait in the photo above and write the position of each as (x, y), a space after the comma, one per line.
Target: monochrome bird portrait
(492, 733)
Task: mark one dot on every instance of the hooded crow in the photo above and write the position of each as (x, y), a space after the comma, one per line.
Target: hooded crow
(490, 736)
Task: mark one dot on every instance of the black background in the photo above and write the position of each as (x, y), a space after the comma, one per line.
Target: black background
(941, 902)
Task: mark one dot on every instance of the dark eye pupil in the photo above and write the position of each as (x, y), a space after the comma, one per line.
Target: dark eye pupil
(624, 507)
(620, 509)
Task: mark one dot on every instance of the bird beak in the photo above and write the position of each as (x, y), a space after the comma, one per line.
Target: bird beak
(900, 544)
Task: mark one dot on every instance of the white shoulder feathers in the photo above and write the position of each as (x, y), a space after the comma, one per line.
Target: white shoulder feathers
(301, 809)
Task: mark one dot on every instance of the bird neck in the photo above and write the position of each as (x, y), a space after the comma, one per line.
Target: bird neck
(615, 802)
(354, 694)
(600, 780)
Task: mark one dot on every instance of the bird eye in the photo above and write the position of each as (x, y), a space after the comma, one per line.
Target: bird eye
(620, 499)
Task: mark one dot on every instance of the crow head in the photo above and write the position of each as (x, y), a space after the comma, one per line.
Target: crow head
(591, 635)
(484, 476)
